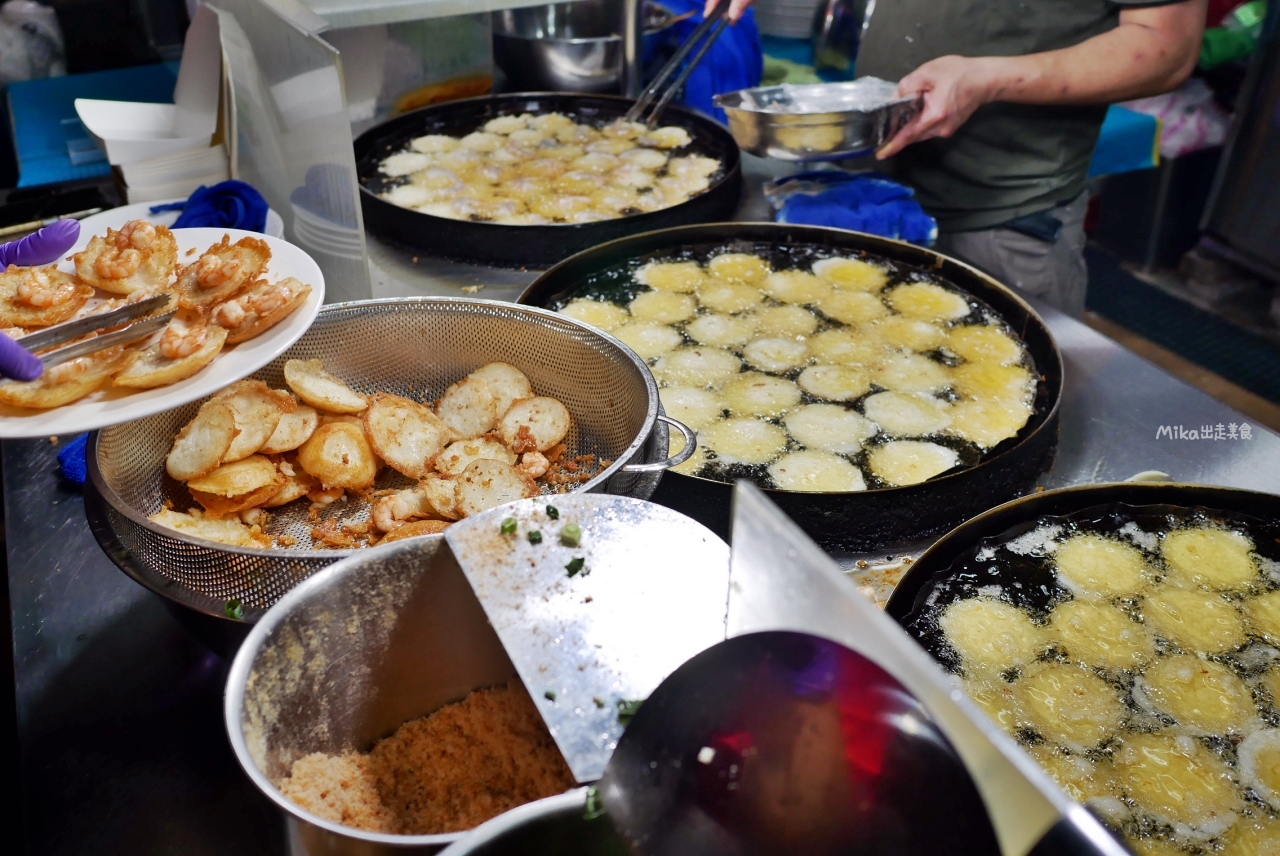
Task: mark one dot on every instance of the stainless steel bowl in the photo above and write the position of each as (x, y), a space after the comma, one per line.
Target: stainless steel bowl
(555, 826)
(567, 47)
(414, 347)
(347, 657)
(766, 121)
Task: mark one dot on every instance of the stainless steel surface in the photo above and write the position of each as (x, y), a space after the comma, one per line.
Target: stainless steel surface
(1243, 212)
(781, 580)
(410, 637)
(72, 330)
(119, 744)
(651, 595)
(554, 826)
(109, 686)
(579, 46)
(415, 348)
(758, 123)
(132, 333)
(711, 27)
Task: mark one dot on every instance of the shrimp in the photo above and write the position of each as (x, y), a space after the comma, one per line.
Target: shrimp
(39, 291)
(326, 496)
(183, 336)
(263, 302)
(255, 517)
(116, 263)
(138, 234)
(392, 511)
(534, 464)
(213, 270)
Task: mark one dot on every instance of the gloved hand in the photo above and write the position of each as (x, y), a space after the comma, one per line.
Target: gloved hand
(38, 248)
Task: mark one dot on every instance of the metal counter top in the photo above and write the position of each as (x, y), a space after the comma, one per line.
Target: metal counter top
(118, 710)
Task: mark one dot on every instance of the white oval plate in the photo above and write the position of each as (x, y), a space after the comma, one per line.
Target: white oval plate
(96, 224)
(111, 406)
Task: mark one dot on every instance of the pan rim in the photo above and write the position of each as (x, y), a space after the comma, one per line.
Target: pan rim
(898, 608)
(114, 501)
(1048, 422)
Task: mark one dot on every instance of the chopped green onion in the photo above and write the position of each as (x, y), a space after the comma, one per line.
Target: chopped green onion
(571, 535)
(235, 609)
(595, 806)
(535, 537)
(553, 512)
(549, 695)
(575, 565)
(509, 526)
(627, 708)
(599, 701)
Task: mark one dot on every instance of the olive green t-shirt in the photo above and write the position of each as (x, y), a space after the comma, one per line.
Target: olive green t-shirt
(1008, 160)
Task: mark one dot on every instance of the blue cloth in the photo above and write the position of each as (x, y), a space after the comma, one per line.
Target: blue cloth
(860, 202)
(1129, 140)
(72, 461)
(226, 205)
(734, 61)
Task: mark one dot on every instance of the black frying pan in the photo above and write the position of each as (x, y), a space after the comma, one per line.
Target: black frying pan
(872, 518)
(530, 246)
(1099, 506)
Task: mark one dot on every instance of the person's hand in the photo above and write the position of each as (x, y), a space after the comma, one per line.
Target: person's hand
(39, 248)
(737, 9)
(953, 87)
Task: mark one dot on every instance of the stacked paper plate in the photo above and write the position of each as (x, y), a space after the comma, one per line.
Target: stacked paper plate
(789, 18)
(316, 233)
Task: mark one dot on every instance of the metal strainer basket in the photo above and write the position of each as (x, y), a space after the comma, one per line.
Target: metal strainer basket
(412, 347)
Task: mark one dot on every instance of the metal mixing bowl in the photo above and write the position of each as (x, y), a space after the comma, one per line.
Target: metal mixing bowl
(346, 658)
(567, 47)
(414, 347)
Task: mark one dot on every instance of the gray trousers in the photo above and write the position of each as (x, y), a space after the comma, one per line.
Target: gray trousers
(1053, 272)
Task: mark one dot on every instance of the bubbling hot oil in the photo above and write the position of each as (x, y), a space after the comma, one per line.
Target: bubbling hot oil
(858, 385)
(1177, 747)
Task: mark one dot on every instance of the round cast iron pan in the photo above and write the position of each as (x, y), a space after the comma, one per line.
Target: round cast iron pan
(870, 519)
(1104, 506)
(530, 246)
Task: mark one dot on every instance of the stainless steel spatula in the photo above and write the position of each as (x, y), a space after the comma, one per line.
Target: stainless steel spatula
(594, 626)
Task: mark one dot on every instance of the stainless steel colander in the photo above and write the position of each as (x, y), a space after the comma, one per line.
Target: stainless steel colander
(412, 347)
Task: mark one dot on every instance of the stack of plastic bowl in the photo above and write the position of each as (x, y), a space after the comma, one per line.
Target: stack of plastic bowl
(788, 18)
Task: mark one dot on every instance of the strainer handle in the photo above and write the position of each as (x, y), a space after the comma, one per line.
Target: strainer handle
(690, 446)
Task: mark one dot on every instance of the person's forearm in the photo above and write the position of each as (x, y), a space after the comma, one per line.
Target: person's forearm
(1131, 61)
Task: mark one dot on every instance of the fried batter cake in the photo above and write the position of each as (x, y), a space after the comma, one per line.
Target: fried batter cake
(140, 256)
(992, 636)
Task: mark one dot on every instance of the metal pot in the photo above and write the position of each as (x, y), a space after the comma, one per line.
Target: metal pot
(415, 347)
(410, 636)
(555, 826)
(568, 47)
(533, 246)
(873, 518)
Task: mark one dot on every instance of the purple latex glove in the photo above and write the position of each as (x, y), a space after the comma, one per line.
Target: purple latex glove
(38, 248)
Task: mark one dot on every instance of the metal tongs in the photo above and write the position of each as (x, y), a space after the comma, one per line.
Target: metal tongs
(715, 20)
(59, 334)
